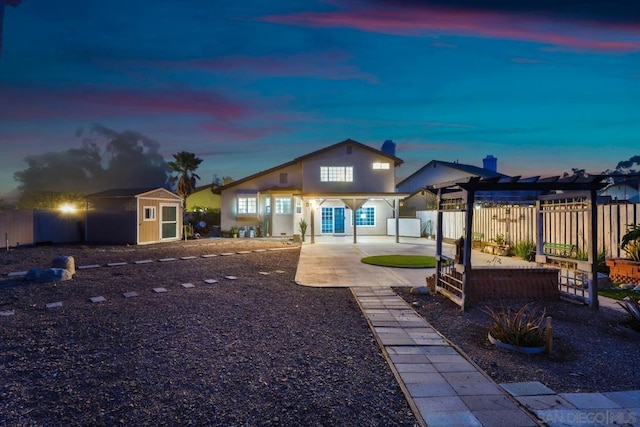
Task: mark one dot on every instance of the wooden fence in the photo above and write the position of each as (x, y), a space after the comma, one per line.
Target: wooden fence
(519, 223)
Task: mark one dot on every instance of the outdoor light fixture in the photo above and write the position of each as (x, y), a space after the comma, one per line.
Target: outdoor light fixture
(67, 208)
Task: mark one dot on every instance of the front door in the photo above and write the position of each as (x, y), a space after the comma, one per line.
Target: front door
(333, 220)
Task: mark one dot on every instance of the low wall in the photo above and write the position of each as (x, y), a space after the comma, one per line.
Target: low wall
(504, 283)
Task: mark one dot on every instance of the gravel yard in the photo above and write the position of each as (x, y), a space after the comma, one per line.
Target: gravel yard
(258, 350)
(588, 355)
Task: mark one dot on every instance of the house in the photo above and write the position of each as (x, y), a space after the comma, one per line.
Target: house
(627, 190)
(436, 172)
(134, 216)
(344, 189)
(202, 197)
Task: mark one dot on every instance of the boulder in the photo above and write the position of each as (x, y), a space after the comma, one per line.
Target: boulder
(627, 286)
(419, 290)
(48, 275)
(65, 262)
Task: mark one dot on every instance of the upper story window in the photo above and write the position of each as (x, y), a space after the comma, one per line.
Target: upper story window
(283, 205)
(381, 165)
(336, 173)
(284, 178)
(247, 205)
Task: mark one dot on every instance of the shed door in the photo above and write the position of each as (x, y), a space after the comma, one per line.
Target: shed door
(168, 221)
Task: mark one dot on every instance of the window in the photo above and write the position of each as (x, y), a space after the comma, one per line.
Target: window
(284, 178)
(283, 205)
(298, 206)
(366, 217)
(149, 213)
(381, 165)
(336, 173)
(267, 206)
(247, 205)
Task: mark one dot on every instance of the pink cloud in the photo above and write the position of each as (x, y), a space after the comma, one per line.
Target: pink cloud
(324, 65)
(96, 103)
(429, 21)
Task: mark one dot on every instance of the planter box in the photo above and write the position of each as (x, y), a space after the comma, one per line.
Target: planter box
(624, 270)
(500, 282)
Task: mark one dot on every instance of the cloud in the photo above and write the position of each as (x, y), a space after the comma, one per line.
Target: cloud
(467, 18)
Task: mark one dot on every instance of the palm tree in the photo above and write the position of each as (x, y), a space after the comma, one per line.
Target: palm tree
(185, 165)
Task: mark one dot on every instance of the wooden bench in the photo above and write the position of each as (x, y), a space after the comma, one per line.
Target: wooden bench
(559, 249)
(477, 236)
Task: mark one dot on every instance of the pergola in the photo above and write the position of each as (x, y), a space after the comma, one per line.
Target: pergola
(464, 194)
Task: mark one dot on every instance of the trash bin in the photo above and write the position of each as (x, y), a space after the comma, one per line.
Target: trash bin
(215, 231)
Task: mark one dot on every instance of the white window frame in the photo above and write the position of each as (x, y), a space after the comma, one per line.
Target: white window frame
(283, 205)
(152, 213)
(380, 166)
(247, 205)
(336, 173)
(298, 205)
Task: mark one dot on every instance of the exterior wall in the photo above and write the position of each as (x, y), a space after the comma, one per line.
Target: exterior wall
(16, 227)
(229, 210)
(111, 226)
(383, 211)
(621, 192)
(204, 199)
(433, 173)
(365, 178)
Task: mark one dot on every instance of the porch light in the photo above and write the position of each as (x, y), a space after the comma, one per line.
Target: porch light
(67, 208)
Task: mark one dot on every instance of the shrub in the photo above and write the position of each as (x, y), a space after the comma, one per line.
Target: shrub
(525, 249)
(631, 242)
(522, 328)
(633, 308)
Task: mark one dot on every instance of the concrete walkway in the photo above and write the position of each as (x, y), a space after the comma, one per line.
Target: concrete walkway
(442, 385)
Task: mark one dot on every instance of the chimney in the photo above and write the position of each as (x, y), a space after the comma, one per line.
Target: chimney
(490, 163)
(389, 147)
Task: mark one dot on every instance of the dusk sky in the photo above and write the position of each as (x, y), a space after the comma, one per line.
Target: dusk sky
(542, 85)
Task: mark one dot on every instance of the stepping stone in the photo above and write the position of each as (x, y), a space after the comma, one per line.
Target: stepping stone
(210, 281)
(115, 264)
(188, 285)
(54, 305)
(17, 273)
(280, 271)
(259, 250)
(188, 257)
(166, 259)
(98, 299)
(227, 253)
(264, 273)
(531, 388)
(159, 290)
(230, 277)
(209, 255)
(243, 252)
(7, 312)
(130, 294)
(86, 267)
(143, 261)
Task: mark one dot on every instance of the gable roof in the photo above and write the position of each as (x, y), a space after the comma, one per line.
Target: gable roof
(470, 169)
(396, 161)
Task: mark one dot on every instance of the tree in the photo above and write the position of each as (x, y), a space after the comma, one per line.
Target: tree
(128, 160)
(185, 165)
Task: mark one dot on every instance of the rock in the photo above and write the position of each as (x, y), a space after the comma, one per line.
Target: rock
(419, 290)
(64, 262)
(48, 275)
(627, 286)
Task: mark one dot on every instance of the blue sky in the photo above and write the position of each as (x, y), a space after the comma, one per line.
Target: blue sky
(542, 85)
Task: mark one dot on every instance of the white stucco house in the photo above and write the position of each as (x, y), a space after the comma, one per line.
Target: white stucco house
(346, 189)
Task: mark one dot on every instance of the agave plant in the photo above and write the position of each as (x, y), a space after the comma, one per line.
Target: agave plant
(631, 242)
(633, 308)
(522, 328)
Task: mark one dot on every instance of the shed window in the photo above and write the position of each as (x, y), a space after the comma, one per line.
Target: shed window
(149, 213)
